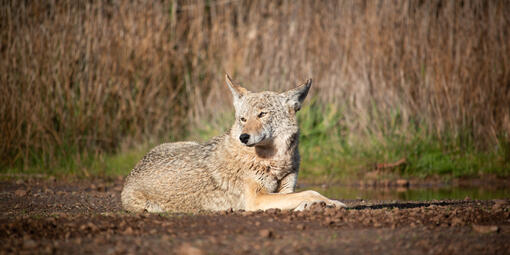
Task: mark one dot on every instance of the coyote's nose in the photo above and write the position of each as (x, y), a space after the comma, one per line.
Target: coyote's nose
(244, 138)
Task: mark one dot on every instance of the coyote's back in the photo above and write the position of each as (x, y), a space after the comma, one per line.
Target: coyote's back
(252, 166)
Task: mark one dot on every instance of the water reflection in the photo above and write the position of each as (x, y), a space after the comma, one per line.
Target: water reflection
(415, 194)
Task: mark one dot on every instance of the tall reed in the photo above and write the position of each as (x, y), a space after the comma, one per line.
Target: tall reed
(86, 76)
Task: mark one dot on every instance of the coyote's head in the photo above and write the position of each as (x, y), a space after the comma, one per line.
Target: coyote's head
(264, 116)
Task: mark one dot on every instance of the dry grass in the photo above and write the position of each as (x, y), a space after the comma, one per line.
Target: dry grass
(87, 76)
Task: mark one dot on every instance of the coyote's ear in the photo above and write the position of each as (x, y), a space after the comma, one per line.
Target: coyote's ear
(237, 91)
(295, 97)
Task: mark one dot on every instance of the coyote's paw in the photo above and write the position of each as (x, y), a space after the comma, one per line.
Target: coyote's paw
(337, 203)
(306, 204)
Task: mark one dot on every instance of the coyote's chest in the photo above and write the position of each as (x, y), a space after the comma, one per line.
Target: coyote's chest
(270, 173)
(266, 166)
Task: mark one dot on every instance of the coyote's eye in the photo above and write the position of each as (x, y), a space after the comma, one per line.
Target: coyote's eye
(262, 114)
(242, 119)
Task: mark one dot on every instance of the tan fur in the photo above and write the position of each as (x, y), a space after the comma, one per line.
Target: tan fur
(223, 173)
(252, 126)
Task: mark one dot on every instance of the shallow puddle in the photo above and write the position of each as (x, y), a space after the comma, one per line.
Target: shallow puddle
(412, 193)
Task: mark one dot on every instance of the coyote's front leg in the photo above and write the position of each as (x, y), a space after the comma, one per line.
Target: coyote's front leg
(287, 184)
(259, 199)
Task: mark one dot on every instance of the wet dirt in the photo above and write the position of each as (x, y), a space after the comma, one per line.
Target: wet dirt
(85, 216)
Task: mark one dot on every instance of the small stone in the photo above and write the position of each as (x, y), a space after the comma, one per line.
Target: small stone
(402, 183)
(128, 231)
(499, 204)
(329, 221)
(485, 229)
(266, 233)
(457, 221)
(188, 249)
(20, 193)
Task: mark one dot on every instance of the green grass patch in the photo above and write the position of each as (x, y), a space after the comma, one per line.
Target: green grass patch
(84, 165)
(329, 151)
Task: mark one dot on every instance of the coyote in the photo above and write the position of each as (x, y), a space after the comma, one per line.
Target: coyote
(253, 166)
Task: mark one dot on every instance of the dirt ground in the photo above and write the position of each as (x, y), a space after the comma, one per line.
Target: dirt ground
(79, 217)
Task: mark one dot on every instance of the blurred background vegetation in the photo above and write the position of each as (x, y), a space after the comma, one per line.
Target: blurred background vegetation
(401, 88)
